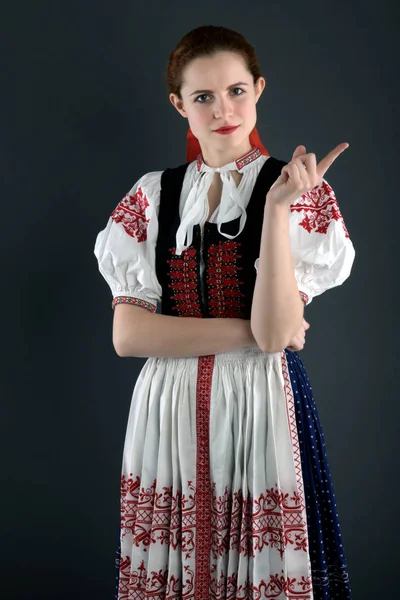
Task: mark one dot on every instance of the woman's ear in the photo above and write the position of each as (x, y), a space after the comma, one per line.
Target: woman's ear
(178, 104)
(259, 87)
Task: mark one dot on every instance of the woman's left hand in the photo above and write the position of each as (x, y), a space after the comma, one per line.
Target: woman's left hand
(301, 174)
(297, 342)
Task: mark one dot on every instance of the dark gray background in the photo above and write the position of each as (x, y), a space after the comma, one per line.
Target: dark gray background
(84, 114)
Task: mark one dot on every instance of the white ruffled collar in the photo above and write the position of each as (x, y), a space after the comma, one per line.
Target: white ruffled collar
(196, 205)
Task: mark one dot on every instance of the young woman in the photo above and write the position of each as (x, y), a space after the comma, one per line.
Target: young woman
(225, 490)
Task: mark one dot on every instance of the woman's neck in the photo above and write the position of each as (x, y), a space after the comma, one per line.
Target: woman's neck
(214, 158)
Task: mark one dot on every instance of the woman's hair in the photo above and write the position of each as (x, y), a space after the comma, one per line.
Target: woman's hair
(207, 41)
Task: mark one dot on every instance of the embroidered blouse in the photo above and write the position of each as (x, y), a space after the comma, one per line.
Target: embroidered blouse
(322, 251)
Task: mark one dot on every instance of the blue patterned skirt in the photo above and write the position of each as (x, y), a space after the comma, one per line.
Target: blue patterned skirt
(328, 561)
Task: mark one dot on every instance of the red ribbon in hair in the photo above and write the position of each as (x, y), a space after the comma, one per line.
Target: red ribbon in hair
(193, 147)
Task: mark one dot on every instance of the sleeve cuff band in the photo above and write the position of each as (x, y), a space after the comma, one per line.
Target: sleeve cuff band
(134, 301)
(304, 297)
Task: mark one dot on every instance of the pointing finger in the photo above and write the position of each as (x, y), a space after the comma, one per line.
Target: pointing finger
(327, 161)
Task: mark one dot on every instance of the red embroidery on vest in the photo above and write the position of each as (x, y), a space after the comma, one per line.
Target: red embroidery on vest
(183, 276)
(319, 208)
(223, 280)
(131, 212)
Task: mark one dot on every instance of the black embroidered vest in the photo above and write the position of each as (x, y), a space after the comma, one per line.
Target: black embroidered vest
(227, 286)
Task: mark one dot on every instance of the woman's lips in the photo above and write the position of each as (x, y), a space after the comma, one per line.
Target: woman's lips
(226, 130)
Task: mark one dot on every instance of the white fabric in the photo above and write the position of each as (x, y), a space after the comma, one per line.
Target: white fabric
(251, 453)
(195, 207)
(321, 260)
(128, 265)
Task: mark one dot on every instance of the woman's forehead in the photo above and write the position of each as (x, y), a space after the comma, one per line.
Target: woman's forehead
(220, 70)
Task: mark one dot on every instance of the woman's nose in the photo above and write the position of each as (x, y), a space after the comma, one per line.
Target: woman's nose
(223, 108)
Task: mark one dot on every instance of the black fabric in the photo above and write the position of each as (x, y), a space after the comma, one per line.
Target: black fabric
(245, 248)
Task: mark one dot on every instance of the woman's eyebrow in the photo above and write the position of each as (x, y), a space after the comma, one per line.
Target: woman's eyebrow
(210, 91)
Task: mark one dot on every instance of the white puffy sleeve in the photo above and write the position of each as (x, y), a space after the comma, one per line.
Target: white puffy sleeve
(125, 249)
(322, 251)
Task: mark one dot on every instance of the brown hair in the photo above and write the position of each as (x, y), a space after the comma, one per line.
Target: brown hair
(206, 41)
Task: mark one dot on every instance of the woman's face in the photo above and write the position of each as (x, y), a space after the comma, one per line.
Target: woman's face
(219, 91)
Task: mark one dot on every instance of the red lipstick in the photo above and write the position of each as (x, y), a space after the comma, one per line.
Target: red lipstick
(226, 130)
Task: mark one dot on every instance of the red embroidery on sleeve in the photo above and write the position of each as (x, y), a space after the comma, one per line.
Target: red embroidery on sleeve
(304, 297)
(131, 212)
(134, 301)
(319, 208)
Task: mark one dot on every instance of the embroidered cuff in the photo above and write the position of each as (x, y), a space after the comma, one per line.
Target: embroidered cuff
(134, 301)
(304, 297)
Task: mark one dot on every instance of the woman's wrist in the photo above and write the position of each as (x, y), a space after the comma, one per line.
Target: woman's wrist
(247, 337)
(277, 209)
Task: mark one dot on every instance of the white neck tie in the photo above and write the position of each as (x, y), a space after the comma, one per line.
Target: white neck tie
(194, 210)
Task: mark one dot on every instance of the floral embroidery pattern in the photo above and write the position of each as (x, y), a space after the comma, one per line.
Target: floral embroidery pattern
(247, 526)
(273, 520)
(223, 280)
(272, 587)
(134, 301)
(248, 158)
(319, 208)
(131, 212)
(183, 275)
(152, 516)
(240, 162)
(138, 584)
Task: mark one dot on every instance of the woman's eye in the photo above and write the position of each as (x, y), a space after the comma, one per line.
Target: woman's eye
(204, 97)
(201, 99)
